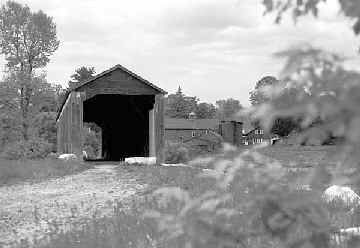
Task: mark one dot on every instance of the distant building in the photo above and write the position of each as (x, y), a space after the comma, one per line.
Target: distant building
(231, 131)
(209, 133)
(201, 135)
(252, 135)
(259, 136)
(180, 130)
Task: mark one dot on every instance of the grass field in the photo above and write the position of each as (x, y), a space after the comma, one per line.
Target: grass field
(15, 171)
(302, 156)
(127, 227)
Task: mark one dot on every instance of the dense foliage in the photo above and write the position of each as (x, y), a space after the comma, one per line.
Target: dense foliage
(257, 202)
(181, 106)
(27, 41)
(299, 8)
(81, 75)
(261, 94)
(42, 113)
(228, 108)
(34, 148)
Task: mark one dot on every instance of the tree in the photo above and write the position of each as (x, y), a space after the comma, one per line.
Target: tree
(227, 109)
(42, 111)
(205, 111)
(299, 8)
(179, 105)
(258, 95)
(28, 39)
(81, 74)
(262, 94)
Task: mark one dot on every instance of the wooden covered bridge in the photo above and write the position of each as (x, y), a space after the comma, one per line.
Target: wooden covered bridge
(128, 109)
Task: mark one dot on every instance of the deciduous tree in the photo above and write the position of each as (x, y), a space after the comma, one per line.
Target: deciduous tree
(205, 111)
(179, 105)
(27, 41)
(227, 109)
(258, 95)
(298, 8)
(81, 74)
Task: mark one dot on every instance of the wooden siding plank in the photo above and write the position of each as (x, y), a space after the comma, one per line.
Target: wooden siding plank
(159, 127)
(70, 126)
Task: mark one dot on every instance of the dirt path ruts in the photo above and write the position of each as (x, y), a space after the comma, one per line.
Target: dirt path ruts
(26, 209)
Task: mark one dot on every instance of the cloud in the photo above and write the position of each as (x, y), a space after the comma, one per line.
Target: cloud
(208, 15)
(213, 48)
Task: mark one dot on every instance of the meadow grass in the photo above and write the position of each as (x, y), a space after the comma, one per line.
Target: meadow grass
(16, 171)
(127, 226)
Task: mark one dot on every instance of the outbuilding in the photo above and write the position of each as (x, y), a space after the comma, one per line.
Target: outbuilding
(128, 109)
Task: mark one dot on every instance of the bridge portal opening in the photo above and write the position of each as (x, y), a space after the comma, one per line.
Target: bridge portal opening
(125, 121)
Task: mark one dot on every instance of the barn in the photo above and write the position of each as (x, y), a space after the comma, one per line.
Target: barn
(128, 109)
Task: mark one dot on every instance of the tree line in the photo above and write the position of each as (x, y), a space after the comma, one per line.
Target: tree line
(179, 105)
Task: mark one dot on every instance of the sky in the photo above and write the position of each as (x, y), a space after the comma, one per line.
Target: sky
(213, 49)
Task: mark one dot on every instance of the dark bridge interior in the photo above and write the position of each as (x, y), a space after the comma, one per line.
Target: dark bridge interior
(124, 121)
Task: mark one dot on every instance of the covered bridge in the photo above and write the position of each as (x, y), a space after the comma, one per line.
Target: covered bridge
(128, 109)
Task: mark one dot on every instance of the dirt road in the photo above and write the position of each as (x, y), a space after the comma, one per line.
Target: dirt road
(28, 209)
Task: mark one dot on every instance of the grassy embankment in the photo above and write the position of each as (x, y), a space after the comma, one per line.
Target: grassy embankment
(16, 171)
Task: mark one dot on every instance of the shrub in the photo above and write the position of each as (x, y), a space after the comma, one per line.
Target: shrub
(176, 153)
(32, 149)
(91, 144)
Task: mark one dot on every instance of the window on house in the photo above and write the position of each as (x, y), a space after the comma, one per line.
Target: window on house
(261, 131)
(193, 134)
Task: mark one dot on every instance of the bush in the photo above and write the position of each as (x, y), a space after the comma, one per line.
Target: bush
(31, 149)
(176, 153)
(92, 144)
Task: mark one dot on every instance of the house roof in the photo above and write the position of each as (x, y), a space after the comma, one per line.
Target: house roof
(104, 73)
(192, 124)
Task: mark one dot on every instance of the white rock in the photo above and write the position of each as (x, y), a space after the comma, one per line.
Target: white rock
(67, 157)
(141, 160)
(341, 193)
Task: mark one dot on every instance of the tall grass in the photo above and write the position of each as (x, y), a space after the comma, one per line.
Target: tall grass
(14, 171)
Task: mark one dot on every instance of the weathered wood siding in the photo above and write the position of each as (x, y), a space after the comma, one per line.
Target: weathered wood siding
(70, 125)
(118, 82)
(159, 127)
